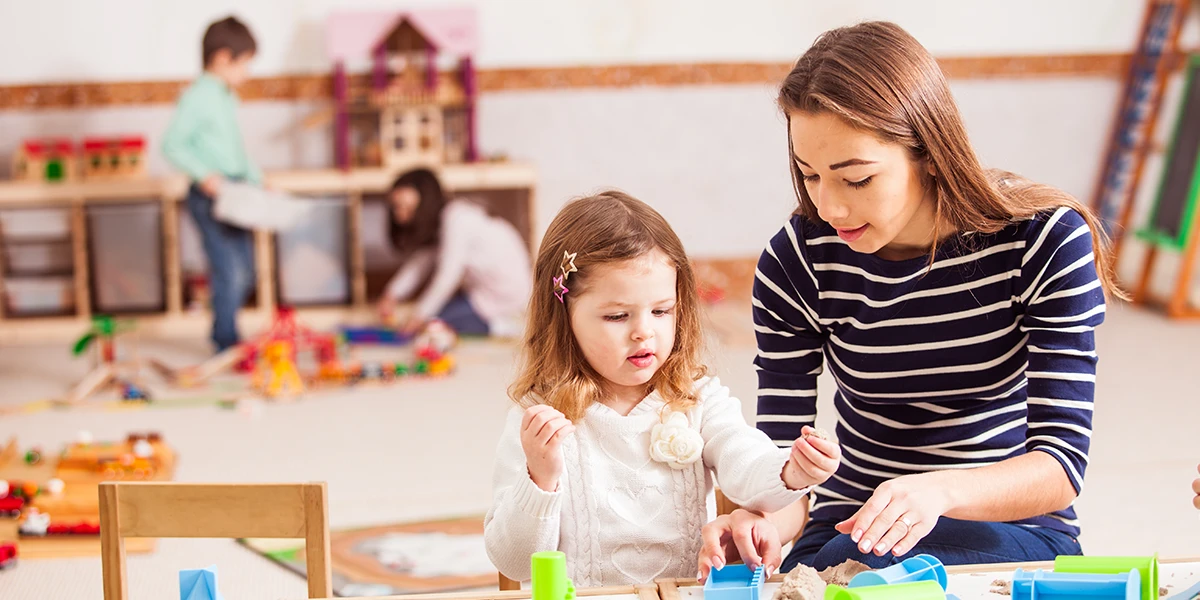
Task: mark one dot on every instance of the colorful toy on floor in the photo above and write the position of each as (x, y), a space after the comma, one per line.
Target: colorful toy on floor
(199, 584)
(107, 368)
(139, 456)
(56, 502)
(11, 500)
(275, 352)
(434, 345)
(8, 555)
(39, 524)
(36, 522)
(276, 374)
(131, 391)
(549, 577)
(55, 486)
(284, 328)
(374, 335)
(734, 582)
(432, 349)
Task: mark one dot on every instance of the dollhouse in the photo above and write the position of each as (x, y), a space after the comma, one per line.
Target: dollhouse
(411, 113)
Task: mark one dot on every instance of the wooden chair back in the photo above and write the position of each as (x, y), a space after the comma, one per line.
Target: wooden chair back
(186, 510)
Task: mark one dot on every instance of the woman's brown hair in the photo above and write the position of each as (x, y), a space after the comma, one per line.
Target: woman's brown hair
(606, 228)
(426, 225)
(883, 81)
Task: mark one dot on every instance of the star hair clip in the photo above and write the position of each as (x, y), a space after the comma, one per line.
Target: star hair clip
(566, 268)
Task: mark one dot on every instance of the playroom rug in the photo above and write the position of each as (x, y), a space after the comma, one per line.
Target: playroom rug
(410, 558)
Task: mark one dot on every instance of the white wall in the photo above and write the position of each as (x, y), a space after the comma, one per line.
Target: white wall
(57, 40)
(710, 158)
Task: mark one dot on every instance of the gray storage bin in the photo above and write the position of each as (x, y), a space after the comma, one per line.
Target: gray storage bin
(127, 257)
(312, 257)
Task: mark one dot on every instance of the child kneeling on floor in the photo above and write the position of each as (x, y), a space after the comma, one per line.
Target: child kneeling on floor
(610, 453)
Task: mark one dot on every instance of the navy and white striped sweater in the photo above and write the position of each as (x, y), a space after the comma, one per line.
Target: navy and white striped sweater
(985, 356)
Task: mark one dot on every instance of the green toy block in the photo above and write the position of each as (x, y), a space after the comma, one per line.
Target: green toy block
(549, 581)
(1147, 567)
(918, 590)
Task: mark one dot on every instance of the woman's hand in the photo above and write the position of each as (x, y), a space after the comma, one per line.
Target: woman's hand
(386, 308)
(899, 514)
(412, 325)
(741, 534)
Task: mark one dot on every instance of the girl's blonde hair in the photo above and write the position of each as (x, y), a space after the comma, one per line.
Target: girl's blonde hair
(883, 81)
(606, 228)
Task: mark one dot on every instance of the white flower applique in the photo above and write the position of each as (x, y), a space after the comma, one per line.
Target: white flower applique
(674, 442)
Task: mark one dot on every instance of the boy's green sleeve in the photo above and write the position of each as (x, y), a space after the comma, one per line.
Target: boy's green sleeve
(177, 142)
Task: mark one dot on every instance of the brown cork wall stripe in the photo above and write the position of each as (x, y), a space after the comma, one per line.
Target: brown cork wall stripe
(319, 86)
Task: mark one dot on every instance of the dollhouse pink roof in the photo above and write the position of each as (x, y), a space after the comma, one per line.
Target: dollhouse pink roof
(353, 35)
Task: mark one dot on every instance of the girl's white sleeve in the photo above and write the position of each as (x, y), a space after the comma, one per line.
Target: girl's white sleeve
(411, 274)
(524, 519)
(461, 224)
(748, 466)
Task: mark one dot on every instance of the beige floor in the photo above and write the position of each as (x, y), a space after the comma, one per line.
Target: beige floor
(422, 449)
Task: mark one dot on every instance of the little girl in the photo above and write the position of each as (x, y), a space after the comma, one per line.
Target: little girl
(481, 271)
(609, 455)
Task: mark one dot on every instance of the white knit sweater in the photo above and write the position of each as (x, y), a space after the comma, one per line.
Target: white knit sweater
(621, 517)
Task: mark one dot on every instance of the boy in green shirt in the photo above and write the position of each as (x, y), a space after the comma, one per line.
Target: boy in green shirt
(204, 141)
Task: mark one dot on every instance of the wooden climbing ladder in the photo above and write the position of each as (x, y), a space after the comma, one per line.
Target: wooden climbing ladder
(1136, 114)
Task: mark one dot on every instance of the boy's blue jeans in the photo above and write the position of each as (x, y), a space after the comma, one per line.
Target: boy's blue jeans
(230, 252)
(952, 541)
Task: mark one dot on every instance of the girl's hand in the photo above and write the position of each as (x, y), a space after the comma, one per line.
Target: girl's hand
(412, 325)
(900, 513)
(386, 308)
(741, 534)
(542, 431)
(1196, 488)
(813, 461)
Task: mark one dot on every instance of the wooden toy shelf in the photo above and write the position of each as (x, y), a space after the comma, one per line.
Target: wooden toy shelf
(69, 287)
